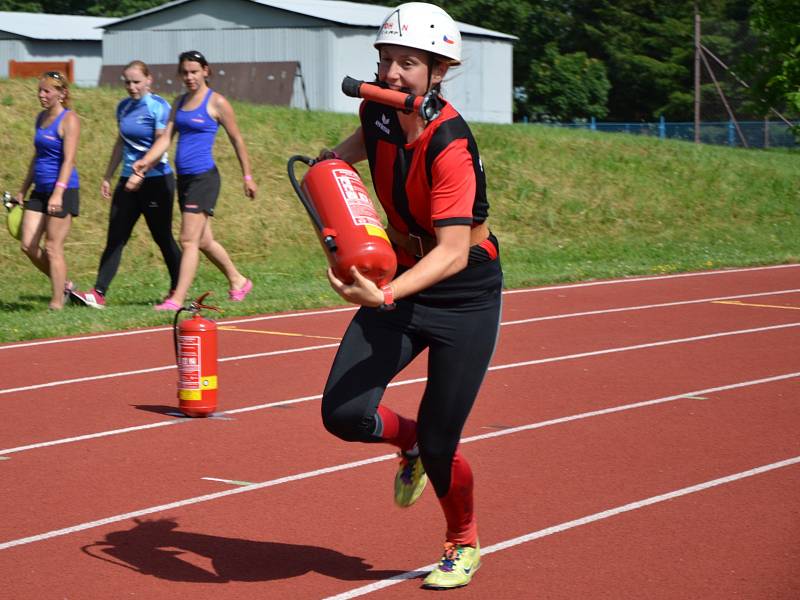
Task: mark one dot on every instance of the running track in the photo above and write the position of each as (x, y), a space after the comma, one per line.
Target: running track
(633, 439)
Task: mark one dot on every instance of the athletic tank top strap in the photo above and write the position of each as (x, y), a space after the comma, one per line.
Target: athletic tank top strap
(52, 129)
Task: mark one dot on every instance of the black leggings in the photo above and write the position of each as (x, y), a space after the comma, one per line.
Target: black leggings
(154, 199)
(378, 345)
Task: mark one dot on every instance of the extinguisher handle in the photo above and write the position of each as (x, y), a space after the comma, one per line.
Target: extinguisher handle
(426, 106)
(327, 238)
(198, 304)
(9, 201)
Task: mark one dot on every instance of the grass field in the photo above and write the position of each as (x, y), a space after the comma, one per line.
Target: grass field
(567, 205)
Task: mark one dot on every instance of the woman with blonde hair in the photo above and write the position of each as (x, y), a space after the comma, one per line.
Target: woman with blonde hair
(55, 198)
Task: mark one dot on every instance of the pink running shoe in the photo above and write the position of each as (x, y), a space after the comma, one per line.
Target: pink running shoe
(91, 298)
(168, 304)
(239, 295)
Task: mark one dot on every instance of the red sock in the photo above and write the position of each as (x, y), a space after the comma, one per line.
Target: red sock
(397, 430)
(462, 527)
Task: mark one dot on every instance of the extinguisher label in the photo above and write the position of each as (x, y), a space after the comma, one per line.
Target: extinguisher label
(189, 362)
(362, 211)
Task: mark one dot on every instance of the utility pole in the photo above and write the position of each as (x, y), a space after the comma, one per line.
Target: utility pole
(697, 51)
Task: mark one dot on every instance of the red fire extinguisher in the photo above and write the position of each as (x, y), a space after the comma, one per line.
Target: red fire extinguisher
(347, 223)
(195, 341)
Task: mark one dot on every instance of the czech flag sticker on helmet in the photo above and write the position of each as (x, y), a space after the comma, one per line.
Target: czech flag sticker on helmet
(14, 220)
(422, 26)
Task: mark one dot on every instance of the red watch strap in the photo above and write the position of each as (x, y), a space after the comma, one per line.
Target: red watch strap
(388, 294)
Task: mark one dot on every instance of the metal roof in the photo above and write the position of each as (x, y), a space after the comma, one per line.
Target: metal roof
(336, 11)
(40, 26)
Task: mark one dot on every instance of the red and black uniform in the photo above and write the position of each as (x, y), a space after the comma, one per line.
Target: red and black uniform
(435, 181)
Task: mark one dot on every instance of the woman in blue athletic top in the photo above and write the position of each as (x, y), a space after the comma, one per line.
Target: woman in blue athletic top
(196, 116)
(55, 199)
(142, 118)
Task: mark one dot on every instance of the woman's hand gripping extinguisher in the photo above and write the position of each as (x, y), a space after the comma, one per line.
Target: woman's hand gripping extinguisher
(346, 221)
(195, 342)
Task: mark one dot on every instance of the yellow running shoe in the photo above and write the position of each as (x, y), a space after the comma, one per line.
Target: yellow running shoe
(456, 567)
(409, 481)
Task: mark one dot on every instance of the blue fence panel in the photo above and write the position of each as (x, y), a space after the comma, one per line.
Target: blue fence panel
(757, 134)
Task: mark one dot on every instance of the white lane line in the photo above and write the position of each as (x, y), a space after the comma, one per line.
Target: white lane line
(561, 527)
(603, 311)
(538, 361)
(635, 405)
(101, 434)
(83, 338)
(196, 500)
(647, 278)
(100, 336)
(38, 386)
(697, 338)
(369, 461)
(334, 345)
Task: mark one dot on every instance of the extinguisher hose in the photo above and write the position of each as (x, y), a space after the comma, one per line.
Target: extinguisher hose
(427, 105)
(328, 240)
(175, 331)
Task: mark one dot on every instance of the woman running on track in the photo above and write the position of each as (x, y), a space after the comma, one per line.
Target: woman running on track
(55, 198)
(196, 116)
(446, 297)
(142, 118)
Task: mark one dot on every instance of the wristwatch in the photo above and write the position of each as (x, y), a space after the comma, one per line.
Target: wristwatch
(388, 298)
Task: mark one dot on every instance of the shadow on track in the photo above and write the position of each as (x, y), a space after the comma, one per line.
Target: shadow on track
(156, 548)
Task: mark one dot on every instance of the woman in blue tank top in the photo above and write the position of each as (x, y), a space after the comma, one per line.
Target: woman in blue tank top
(142, 118)
(55, 199)
(195, 117)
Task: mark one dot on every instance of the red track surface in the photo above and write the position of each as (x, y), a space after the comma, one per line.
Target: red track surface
(680, 419)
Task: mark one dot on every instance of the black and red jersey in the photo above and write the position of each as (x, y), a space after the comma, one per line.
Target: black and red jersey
(435, 181)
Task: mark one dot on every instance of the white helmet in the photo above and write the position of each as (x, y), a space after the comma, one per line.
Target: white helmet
(422, 26)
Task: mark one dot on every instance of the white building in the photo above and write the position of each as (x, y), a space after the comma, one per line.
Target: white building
(36, 37)
(330, 39)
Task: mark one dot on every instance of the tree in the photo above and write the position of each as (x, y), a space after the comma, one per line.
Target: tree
(120, 8)
(100, 8)
(567, 86)
(776, 63)
(20, 6)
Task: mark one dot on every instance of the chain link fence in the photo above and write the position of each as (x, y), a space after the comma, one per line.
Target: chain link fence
(756, 134)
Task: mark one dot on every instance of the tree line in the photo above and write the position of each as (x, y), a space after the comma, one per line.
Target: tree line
(615, 60)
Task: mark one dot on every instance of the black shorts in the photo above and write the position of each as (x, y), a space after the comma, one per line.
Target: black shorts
(70, 203)
(198, 193)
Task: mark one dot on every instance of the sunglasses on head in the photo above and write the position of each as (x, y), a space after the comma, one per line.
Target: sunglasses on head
(54, 75)
(194, 56)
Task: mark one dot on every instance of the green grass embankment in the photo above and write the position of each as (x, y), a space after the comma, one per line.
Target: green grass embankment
(567, 205)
